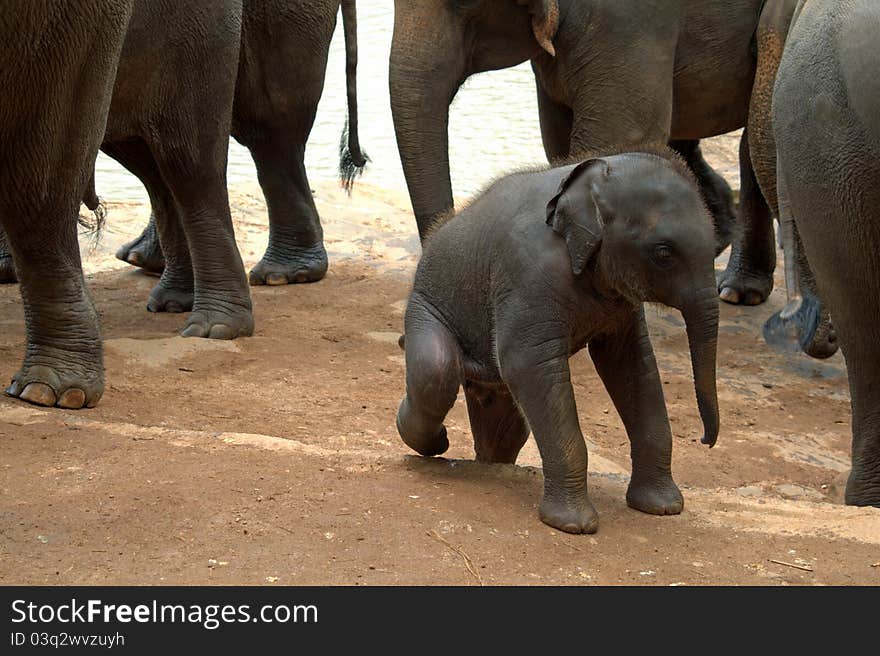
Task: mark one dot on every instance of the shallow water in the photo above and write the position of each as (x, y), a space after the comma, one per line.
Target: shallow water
(493, 122)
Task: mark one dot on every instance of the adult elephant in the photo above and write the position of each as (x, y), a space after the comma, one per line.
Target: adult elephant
(169, 123)
(804, 318)
(284, 49)
(609, 73)
(280, 79)
(57, 67)
(826, 124)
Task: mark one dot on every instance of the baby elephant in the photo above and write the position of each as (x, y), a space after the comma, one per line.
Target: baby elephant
(541, 265)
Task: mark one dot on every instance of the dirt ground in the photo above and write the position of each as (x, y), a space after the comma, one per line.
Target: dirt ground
(275, 460)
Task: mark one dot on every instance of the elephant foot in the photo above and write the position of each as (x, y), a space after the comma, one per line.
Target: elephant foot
(419, 434)
(229, 323)
(144, 252)
(167, 297)
(740, 284)
(569, 514)
(7, 270)
(655, 497)
(48, 386)
(290, 265)
(863, 488)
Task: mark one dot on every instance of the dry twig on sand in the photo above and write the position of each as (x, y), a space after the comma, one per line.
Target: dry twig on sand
(467, 559)
(782, 562)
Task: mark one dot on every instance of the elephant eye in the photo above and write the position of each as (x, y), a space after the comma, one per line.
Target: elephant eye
(663, 256)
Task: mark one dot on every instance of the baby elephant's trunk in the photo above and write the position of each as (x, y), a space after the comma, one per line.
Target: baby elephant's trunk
(701, 317)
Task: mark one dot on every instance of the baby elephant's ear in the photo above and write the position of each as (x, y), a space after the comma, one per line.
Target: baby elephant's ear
(573, 213)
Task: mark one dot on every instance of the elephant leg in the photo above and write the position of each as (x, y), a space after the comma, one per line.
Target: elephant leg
(7, 265)
(497, 425)
(625, 362)
(145, 251)
(295, 252)
(634, 79)
(556, 123)
(276, 99)
(863, 364)
(540, 382)
(714, 189)
(63, 363)
(433, 377)
(196, 178)
(174, 291)
(59, 87)
(748, 279)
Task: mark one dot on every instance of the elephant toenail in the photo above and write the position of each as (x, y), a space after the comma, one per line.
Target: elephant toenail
(221, 331)
(276, 279)
(39, 394)
(193, 330)
(72, 399)
(729, 295)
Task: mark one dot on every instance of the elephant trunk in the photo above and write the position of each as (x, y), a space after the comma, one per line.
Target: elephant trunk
(426, 69)
(701, 318)
(352, 158)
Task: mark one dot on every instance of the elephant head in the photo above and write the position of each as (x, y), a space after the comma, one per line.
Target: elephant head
(638, 224)
(437, 45)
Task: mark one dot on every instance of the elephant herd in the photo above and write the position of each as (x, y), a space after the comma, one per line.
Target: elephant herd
(541, 265)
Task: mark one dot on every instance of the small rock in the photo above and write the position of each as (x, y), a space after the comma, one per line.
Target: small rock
(750, 491)
(794, 492)
(43, 539)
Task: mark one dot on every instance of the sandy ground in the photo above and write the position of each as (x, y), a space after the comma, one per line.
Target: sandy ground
(275, 459)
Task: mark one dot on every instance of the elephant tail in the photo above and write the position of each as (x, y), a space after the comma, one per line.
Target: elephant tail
(352, 159)
(94, 225)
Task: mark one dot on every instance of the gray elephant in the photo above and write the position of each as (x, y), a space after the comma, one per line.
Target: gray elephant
(171, 129)
(541, 265)
(285, 45)
(803, 323)
(609, 73)
(169, 123)
(57, 67)
(826, 124)
(280, 78)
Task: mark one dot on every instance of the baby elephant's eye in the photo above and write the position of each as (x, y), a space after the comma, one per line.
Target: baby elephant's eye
(663, 256)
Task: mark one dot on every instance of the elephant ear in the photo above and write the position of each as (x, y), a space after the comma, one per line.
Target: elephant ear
(574, 212)
(545, 21)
